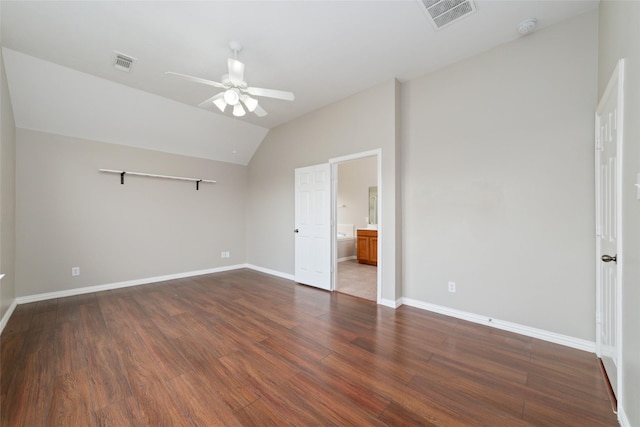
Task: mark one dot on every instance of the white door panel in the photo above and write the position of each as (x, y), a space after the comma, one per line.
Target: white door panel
(609, 142)
(313, 226)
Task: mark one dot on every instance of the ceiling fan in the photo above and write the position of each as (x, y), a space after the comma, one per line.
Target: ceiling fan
(236, 91)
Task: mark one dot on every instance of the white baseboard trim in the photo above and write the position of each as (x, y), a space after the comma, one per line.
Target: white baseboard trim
(7, 315)
(347, 258)
(125, 284)
(390, 303)
(568, 341)
(271, 272)
(622, 416)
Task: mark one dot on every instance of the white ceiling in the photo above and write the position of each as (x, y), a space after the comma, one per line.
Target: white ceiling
(322, 51)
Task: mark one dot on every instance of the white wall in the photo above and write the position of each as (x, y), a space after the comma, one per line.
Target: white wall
(69, 214)
(498, 175)
(360, 123)
(7, 196)
(354, 179)
(620, 38)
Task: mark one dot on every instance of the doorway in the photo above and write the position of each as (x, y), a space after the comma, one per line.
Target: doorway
(356, 202)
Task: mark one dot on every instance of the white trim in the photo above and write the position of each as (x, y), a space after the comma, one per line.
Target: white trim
(568, 341)
(347, 258)
(356, 156)
(333, 162)
(125, 284)
(622, 416)
(271, 272)
(389, 302)
(7, 315)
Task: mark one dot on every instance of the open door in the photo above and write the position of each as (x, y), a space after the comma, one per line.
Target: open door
(313, 226)
(609, 143)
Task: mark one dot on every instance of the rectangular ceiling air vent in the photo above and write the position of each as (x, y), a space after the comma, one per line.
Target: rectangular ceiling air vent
(123, 62)
(444, 12)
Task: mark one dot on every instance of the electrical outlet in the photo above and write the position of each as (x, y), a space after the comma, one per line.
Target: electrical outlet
(75, 271)
(452, 287)
(223, 254)
(228, 254)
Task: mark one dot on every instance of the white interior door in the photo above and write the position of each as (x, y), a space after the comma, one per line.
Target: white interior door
(313, 226)
(608, 229)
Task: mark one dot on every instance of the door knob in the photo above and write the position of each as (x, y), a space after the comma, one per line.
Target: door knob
(609, 258)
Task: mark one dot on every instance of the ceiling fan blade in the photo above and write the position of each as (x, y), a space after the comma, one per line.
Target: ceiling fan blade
(259, 111)
(271, 93)
(196, 79)
(236, 71)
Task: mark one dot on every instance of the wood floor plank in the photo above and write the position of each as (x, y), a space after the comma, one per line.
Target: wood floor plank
(121, 413)
(71, 347)
(29, 395)
(106, 372)
(332, 402)
(246, 348)
(203, 406)
(92, 320)
(430, 411)
(397, 415)
(70, 402)
(215, 341)
(471, 399)
(492, 391)
(557, 414)
(259, 414)
(10, 354)
(68, 310)
(157, 404)
(20, 320)
(228, 386)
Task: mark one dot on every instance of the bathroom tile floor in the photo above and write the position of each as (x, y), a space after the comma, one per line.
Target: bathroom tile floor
(357, 279)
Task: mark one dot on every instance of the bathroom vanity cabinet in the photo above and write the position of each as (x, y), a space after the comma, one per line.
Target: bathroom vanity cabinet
(367, 246)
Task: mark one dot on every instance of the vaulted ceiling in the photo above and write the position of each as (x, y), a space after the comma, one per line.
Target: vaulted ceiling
(59, 61)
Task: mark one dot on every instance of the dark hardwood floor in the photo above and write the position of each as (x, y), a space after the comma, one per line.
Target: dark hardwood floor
(245, 348)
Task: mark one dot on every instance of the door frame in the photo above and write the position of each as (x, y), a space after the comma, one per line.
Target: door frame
(616, 82)
(334, 162)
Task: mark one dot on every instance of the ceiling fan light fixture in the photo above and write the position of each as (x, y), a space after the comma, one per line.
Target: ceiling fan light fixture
(238, 111)
(220, 103)
(250, 103)
(231, 96)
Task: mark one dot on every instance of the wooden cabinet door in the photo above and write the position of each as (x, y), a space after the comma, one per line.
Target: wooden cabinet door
(373, 250)
(363, 249)
(368, 247)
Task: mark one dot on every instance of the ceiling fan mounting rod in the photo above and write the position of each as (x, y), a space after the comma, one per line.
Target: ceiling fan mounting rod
(236, 48)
